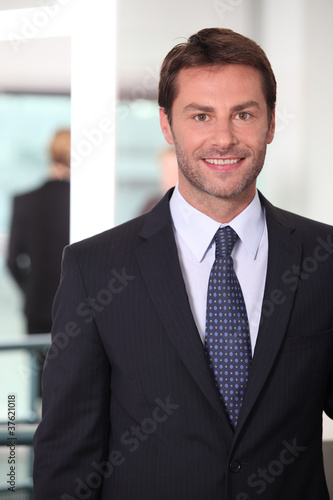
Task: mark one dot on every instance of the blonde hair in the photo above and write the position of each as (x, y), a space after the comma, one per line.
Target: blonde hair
(60, 147)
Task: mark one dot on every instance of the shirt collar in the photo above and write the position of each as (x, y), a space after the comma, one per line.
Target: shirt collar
(198, 230)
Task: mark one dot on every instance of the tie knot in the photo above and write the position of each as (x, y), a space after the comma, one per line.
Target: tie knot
(225, 239)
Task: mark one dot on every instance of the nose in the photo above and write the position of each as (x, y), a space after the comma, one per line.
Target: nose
(224, 134)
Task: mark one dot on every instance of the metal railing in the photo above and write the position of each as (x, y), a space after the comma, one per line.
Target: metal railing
(25, 428)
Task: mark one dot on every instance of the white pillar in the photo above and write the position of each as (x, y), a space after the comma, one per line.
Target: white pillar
(93, 117)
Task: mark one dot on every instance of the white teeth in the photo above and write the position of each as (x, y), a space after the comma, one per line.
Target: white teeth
(222, 162)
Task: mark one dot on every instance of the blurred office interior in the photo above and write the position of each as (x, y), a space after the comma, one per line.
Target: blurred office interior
(51, 77)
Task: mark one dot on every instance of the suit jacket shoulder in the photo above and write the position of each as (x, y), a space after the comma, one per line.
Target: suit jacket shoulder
(299, 225)
(123, 237)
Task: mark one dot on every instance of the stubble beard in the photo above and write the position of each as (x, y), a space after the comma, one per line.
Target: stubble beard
(219, 190)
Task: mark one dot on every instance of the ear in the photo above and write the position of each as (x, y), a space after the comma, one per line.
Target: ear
(271, 131)
(165, 126)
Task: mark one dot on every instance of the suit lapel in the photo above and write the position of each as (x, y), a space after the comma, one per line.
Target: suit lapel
(285, 251)
(158, 260)
(157, 256)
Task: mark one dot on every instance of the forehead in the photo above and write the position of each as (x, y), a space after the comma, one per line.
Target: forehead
(230, 83)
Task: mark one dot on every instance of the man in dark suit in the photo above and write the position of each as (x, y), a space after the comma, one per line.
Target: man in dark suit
(38, 234)
(149, 393)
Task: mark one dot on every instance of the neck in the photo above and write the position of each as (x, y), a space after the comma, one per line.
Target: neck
(221, 209)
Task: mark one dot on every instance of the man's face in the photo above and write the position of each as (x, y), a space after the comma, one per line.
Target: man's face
(220, 130)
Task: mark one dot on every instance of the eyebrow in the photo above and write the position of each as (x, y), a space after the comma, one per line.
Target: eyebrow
(245, 105)
(209, 109)
(198, 107)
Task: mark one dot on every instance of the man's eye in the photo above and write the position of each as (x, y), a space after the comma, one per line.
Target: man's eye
(243, 115)
(202, 117)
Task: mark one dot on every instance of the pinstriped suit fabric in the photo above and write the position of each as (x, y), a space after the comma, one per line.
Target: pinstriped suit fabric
(130, 407)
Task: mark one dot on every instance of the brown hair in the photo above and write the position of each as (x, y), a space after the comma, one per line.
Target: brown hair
(214, 47)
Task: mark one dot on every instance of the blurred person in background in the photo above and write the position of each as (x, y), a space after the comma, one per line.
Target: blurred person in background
(168, 176)
(39, 231)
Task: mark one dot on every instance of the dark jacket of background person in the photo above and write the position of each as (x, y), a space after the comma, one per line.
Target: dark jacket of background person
(38, 234)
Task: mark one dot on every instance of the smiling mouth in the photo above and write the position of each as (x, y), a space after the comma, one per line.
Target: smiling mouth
(226, 161)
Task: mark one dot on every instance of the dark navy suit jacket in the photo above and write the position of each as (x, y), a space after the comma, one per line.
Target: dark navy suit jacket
(130, 408)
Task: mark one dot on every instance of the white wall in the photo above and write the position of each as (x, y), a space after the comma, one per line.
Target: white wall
(298, 39)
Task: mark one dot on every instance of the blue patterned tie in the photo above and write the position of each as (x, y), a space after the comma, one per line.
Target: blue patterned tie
(228, 342)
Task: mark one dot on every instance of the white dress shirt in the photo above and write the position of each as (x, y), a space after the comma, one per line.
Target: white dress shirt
(194, 233)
